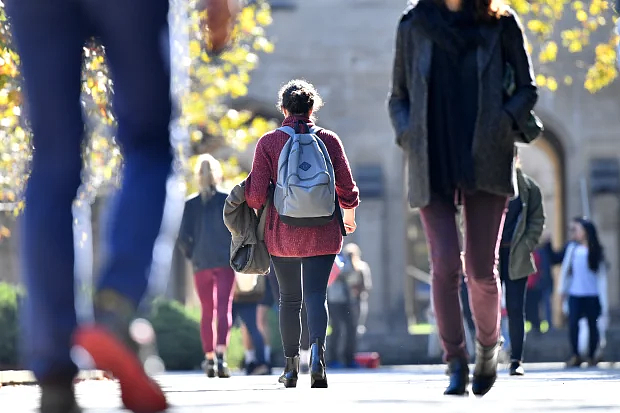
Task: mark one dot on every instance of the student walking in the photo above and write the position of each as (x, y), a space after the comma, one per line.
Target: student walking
(303, 249)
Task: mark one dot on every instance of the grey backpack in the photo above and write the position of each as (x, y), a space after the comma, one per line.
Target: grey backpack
(305, 192)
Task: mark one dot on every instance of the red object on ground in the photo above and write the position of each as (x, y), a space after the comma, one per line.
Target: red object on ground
(368, 360)
(139, 392)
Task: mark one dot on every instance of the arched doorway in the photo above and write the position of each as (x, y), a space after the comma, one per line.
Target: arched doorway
(544, 161)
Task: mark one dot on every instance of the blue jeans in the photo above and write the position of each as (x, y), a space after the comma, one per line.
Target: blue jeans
(49, 37)
(247, 313)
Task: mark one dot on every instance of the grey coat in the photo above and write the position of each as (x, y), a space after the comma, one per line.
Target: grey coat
(248, 252)
(493, 142)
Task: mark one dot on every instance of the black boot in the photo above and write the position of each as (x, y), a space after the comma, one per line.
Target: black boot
(291, 372)
(516, 368)
(485, 371)
(458, 371)
(223, 372)
(318, 377)
(58, 398)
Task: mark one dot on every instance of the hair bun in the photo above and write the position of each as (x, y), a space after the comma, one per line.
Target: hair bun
(299, 97)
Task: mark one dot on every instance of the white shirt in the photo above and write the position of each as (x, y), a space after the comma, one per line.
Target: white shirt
(584, 281)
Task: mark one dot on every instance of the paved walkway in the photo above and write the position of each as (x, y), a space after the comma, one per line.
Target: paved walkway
(386, 390)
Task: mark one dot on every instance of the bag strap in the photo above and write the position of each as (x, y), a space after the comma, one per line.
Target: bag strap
(288, 130)
(291, 131)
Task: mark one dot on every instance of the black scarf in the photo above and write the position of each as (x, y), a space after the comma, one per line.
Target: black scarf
(453, 95)
(454, 32)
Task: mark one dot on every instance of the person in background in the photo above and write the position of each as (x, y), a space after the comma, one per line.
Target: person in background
(583, 287)
(205, 241)
(262, 313)
(302, 256)
(245, 306)
(357, 274)
(533, 297)
(544, 266)
(49, 37)
(523, 226)
(344, 326)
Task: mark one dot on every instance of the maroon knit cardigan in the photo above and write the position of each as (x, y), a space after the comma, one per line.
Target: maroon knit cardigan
(290, 241)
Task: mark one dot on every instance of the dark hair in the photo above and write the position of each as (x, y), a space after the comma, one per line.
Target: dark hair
(485, 10)
(299, 97)
(595, 249)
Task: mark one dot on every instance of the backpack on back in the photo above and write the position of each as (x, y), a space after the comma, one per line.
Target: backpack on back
(305, 192)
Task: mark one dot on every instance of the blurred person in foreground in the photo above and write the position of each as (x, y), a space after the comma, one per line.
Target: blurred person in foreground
(49, 37)
(457, 126)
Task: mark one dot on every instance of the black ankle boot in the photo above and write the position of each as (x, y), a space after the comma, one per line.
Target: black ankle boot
(458, 371)
(223, 372)
(291, 372)
(485, 371)
(58, 398)
(318, 377)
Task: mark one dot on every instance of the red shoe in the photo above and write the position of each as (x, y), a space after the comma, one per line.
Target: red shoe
(140, 393)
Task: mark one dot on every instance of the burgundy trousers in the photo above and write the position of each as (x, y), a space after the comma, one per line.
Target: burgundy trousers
(215, 290)
(483, 222)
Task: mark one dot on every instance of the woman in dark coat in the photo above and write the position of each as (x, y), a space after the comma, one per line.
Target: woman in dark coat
(457, 127)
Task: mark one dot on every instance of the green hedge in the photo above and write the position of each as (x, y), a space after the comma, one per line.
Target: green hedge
(9, 326)
(177, 328)
(178, 337)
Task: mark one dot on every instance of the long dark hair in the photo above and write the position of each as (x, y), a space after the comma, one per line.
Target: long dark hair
(595, 249)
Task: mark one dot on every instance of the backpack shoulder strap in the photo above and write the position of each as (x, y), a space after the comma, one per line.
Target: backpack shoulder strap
(315, 129)
(288, 130)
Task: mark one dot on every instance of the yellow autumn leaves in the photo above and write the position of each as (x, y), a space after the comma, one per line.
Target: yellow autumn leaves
(542, 16)
(227, 76)
(214, 80)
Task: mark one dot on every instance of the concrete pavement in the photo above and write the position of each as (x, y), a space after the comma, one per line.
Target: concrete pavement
(399, 389)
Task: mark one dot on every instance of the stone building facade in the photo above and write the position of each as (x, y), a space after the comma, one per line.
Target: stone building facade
(345, 47)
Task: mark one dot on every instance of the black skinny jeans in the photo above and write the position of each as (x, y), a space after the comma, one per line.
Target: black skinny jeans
(311, 289)
(515, 305)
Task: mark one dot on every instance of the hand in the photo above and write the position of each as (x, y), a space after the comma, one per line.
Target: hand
(349, 221)
(221, 16)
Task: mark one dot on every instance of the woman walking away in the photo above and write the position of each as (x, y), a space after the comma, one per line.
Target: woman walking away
(457, 127)
(311, 244)
(205, 241)
(523, 226)
(582, 284)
